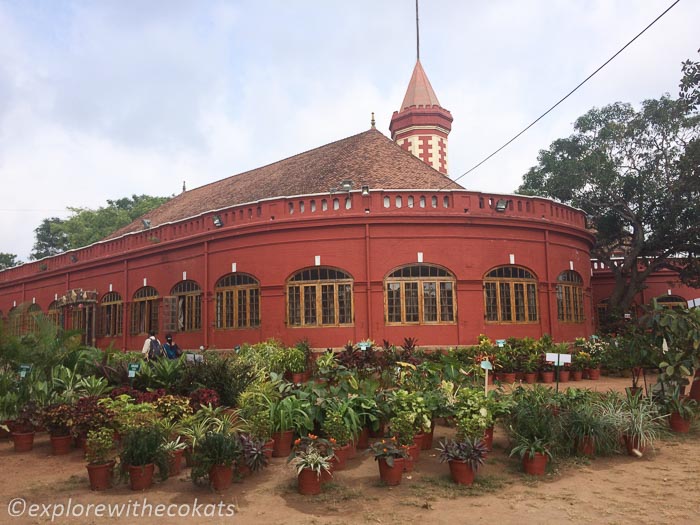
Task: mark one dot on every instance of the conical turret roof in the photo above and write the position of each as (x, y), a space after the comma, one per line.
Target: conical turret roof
(419, 92)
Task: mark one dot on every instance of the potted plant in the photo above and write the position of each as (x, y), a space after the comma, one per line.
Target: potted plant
(89, 414)
(640, 423)
(464, 458)
(287, 416)
(588, 429)
(323, 446)
(58, 420)
(534, 453)
(403, 430)
(142, 450)
(215, 456)
(529, 366)
(391, 458)
(295, 364)
(175, 449)
(579, 362)
(337, 432)
(682, 411)
(99, 450)
(24, 427)
(254, 455)
(310, 463)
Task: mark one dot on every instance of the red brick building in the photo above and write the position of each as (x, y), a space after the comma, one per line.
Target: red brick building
(363, 238)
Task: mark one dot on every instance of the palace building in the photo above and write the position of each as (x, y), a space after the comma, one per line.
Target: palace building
(363, 238)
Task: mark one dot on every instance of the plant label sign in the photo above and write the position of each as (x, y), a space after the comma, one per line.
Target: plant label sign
(486, 365)
(363, 346)
(24, 370)
(558, 359)
(500, 343)
(133, 368)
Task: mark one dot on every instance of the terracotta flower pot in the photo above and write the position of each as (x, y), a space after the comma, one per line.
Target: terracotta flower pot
(61, 445)
(23, 441)
(508, 378)
(418, 441)
(100, 476)
(576, 375)
(678, 424)
(268, 447)
(341, 457)
(327, 475)
(413, 454)
(220, 477)
(488, 438)
(633, 447)
(283, 443)
(586, 446)
(428, 438)
(461, 472)
(547, 377)
(298, 378)
(391, 475)
(530, 377)
(363, 439)
(564, 376)
(175, 461)
(536, 465)
(141, 477)
(594, 374)
(309, 482)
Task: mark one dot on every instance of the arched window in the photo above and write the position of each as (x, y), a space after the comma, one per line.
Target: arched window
(33, 313)
(420, 294)
(14, 321)
(110, 315)
(144, 311)
(570, 297)
(54, 314)
(674, 302)
(319, 296)
(189, 306)
(510, 295)
(237, 301)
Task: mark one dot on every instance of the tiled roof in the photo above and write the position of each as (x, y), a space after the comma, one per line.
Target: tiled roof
(366, 158)
(419, 92)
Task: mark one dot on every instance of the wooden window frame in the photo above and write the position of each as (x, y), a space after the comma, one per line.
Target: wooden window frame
(111, 314)
(227, 293)
(522, 278)
(439, 278)
(144, 308)
(188, 301)
(569, 292)
(302, 288)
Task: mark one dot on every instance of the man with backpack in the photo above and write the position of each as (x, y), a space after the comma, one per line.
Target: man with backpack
(152, 349)
(172, 350)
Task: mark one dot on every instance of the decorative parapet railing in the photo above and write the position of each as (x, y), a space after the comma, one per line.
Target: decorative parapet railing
(421, 203)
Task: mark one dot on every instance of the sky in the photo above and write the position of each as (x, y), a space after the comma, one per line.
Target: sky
(105, 99)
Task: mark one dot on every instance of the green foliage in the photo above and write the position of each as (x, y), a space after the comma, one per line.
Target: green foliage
(86, 226)
(8, 260)
(143, 445)
(217, 448)
(228, 375)
(99, 446)
(388, 450)
(402, 427)
(635, 173)
(291, 413)
(334, 428)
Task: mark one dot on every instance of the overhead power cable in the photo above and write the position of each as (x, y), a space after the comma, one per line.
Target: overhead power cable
(564, 97)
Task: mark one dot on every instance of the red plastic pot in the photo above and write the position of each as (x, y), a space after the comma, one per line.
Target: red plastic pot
(586, 446)
(413, 454)
(220, 477)
(678, 424)
(508, 378)
(141, 477)
(488, 438)
(576, 375)
(363, 439)
(61, 445)
(175, 462)
(536, 465)
(461, 472)
(268, 448)
(594, 374)
(341, 457)
(100, 476)
(547, 377)
(309, 482)
(23, 441)
(391, 475)
(564, 376)
(428, 438)
(530, 377)
(283, 443)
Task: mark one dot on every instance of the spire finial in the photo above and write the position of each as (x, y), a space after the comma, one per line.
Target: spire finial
(417, 35)
(372, 122)
(184, 189)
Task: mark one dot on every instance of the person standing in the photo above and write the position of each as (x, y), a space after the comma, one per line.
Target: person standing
(152, 348)
(172, 350)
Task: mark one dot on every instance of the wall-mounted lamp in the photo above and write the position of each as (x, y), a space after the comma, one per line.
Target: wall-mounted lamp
(216, 219)
(365, 191)
(501, 205)
(346, 185)
(146, 223)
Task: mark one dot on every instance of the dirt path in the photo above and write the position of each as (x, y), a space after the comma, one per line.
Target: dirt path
(662, 487)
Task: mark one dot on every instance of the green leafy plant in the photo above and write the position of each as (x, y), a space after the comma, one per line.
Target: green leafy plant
(58, 419)
(388, 449)
(217, 448)
(335, 428)
(99, 447)
(529, 447)
(143, 445)
(402, 427)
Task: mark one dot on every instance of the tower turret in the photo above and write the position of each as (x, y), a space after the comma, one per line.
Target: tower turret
(421, 125)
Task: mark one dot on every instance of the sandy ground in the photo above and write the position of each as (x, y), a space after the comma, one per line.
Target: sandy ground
(662, 487)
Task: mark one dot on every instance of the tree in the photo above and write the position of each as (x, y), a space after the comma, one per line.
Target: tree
(8, 260)
(635, 173)
(86, 226)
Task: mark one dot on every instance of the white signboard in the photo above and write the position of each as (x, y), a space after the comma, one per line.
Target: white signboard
(558, 359)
